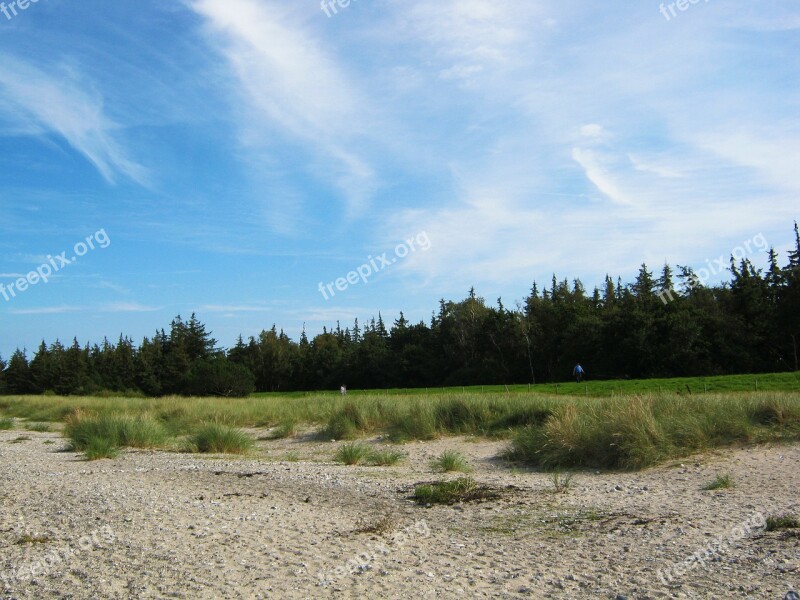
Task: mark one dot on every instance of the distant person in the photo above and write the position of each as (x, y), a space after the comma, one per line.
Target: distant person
(343, 390)
(578, 373)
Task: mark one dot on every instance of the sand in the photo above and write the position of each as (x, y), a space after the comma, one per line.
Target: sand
(288, 522)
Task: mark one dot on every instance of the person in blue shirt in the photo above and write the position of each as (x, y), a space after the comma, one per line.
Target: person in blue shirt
(578, 373)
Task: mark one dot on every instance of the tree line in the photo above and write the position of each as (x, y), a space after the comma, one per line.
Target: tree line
(668, 325)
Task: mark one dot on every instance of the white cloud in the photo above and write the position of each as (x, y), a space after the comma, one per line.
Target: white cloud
(60, 103)
(291, 85)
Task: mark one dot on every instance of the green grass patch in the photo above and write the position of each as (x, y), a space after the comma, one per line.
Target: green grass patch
(285, 430)
(385, 458)
(352, 454)
(98, 448)
(781, 522)
(721, 482)
(451, 461)
(217, 438)
(113, 431)
(464, 489)
(39, 427)
(6, 423)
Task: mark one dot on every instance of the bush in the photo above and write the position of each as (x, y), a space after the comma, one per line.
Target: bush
(216, 438)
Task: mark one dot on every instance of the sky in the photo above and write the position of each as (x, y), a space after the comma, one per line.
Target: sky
(260, 162)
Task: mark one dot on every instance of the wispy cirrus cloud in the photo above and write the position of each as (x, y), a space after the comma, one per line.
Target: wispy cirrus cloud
(57, 101)
(47, 310)
(290, 86)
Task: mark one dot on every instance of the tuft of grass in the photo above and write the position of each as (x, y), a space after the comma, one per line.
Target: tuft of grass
(418, 423)
(285, 430)
(779, 522)
(98, 448)
(451, 461)
(352, 454)
(292, 457)
(721, 482)
(385, 458)
(217, 438)
(40, 427)
(348, 423)
(561, 483)
(113, 430)
(464, 489)
(6, 423)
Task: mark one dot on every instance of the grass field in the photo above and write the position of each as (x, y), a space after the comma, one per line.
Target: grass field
(633, 425)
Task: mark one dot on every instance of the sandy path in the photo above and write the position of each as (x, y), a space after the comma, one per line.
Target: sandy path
(163, 525)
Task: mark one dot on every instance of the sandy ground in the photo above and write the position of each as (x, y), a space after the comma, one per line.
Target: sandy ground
(287, 522)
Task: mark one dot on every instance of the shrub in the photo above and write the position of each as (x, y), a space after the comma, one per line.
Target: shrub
(451, 461)
(216, 438)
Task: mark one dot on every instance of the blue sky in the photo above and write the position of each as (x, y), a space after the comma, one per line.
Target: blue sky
(238, 153)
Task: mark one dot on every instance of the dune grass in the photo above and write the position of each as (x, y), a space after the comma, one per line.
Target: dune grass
(218, 438)
(451, 461)
(352, 454)
(638, 432)
(547, 431)
(91, 431)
